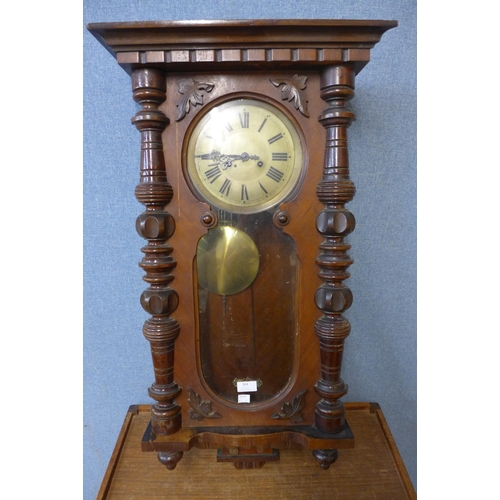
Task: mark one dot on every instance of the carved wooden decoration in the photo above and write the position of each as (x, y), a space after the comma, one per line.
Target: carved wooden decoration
(294, 90)
(192, 93)
(232, 372)
(292, 410)
(200, 409)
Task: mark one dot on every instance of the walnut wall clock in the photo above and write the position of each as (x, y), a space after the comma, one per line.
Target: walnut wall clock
(244, 176)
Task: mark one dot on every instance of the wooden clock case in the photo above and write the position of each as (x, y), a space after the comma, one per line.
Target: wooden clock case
(306, 69)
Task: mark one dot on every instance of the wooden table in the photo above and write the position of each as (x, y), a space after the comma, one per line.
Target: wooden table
(373, 469)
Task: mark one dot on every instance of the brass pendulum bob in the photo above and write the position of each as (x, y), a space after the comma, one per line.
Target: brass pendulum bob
(227, 260)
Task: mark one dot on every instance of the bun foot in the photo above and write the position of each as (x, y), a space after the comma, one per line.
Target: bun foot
(169, 459)
(325, 457)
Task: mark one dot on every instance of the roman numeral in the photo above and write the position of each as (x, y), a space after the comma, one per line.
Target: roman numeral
(226, 186)
(244, 193)
(280, 156)
(212, 174)
(244, 119)
(275, 174)
(262, 124)
(228, 127)
(275, 138)
(263, 188)
(206, 156)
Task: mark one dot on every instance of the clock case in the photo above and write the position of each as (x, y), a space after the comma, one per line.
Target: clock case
(306, 69)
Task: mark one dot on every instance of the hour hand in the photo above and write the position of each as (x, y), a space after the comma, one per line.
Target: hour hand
(244, 157)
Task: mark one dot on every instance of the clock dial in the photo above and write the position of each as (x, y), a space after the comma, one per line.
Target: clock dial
(244, 156)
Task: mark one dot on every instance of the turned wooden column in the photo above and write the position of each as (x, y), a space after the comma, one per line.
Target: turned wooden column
(334, 223)
(156, 225)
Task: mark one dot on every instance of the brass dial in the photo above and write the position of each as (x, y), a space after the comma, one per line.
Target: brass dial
(244, 156)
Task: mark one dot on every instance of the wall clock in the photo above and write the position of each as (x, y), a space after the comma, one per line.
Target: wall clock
(244, 175)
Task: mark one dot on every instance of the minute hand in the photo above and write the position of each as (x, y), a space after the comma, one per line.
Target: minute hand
(227, 160)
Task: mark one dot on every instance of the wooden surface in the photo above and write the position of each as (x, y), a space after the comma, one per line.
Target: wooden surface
(373, 469)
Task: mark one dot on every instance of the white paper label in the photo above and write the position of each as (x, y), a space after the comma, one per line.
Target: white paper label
(247, 386)
(243, 398)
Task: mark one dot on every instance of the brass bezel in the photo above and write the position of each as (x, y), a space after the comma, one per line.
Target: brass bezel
(291, 187)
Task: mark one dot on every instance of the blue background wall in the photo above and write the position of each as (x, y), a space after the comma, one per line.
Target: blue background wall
(380, 355)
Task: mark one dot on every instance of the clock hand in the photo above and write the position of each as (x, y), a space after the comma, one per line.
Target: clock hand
(227, 160)
(244, 157)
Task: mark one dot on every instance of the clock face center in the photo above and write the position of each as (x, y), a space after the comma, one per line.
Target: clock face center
(243, 156)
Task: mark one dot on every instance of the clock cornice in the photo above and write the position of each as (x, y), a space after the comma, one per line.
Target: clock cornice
(223, 45)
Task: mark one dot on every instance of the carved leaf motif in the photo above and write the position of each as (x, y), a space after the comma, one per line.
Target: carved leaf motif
(293, 409)
(293, 90)
(200, 409)
(192, 93)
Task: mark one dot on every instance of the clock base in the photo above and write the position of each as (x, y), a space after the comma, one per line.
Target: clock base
(248, 447)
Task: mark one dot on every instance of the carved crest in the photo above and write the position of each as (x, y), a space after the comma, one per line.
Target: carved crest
(192, 93)
(293, 90)
(200, 409)
(293, 410)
